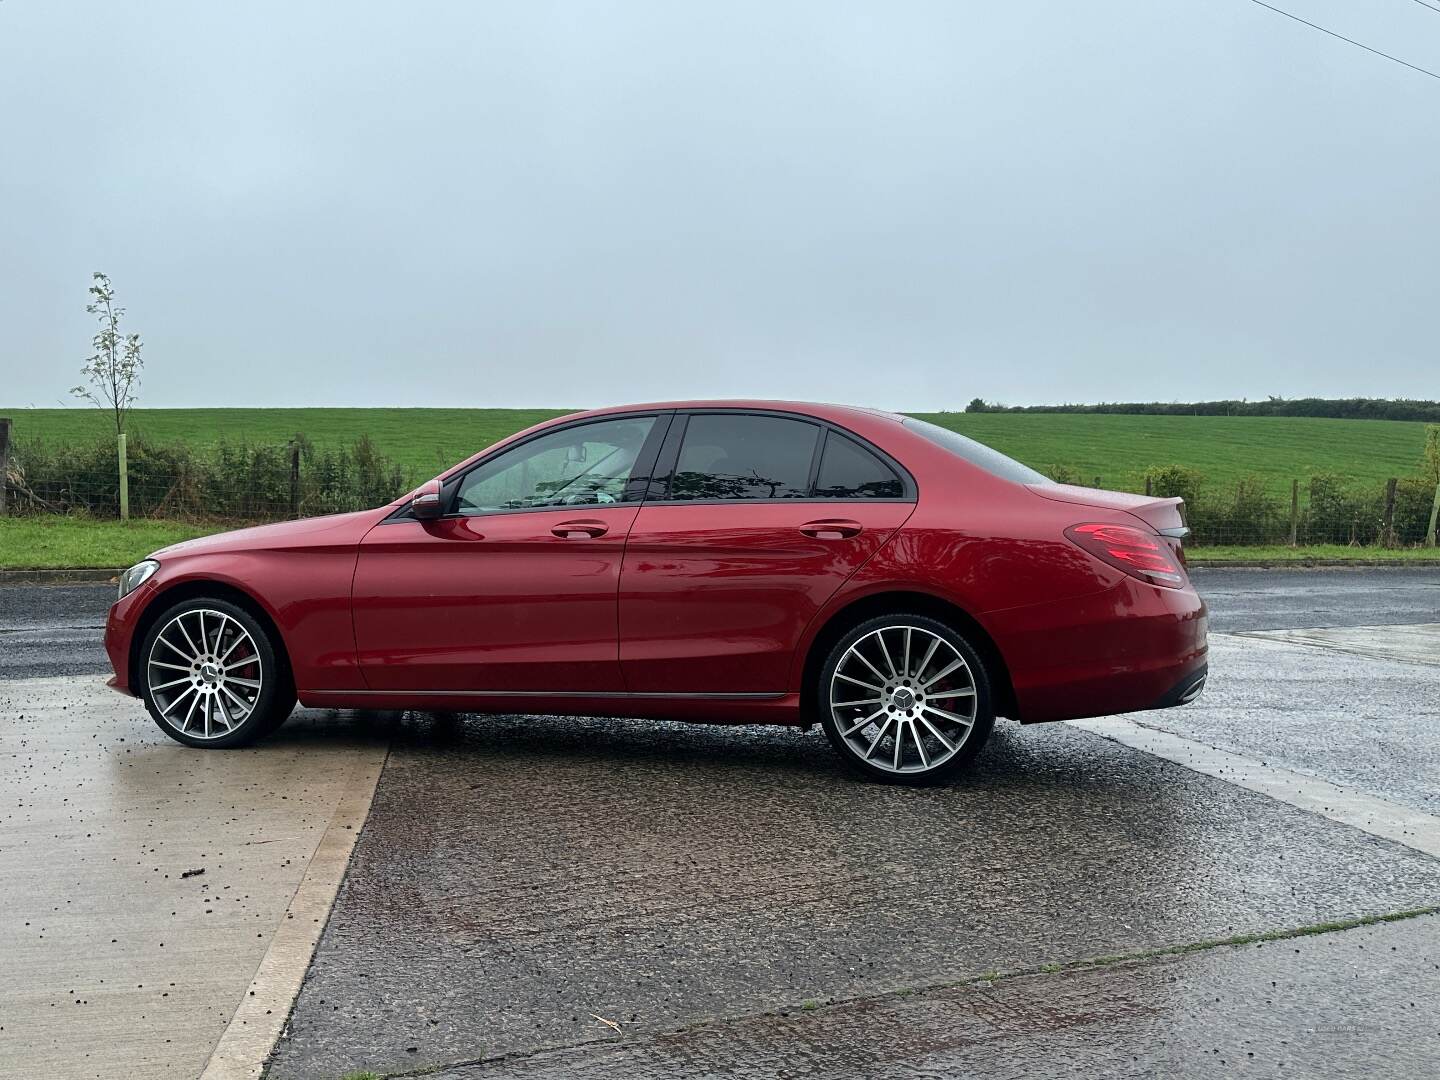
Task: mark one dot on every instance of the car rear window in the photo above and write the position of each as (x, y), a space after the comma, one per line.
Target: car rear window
(978, 454)
(849, 471)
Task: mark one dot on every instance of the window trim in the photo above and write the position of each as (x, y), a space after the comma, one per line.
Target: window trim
(634, 494)
(664, 471)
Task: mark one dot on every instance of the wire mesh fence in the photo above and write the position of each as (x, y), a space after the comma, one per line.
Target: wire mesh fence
(244, 482)
(1325, 509)
(257, 482)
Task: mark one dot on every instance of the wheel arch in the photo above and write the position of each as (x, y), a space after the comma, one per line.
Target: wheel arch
(894, 602)
(191, 589)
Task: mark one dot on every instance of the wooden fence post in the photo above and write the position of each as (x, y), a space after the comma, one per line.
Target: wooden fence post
(294, 478)
(124, 476)
(1294, 513)
(1387, 527)
(1434, 516)
(5, 460)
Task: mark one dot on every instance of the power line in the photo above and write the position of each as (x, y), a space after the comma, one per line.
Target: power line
(1432, 7)
(1350, 41)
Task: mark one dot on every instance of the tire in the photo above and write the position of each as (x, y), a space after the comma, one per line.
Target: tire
(212, 676)
(870, 688)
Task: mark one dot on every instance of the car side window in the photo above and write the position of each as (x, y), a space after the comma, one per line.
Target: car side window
(738, 456)
(585, 465)
(849, 471)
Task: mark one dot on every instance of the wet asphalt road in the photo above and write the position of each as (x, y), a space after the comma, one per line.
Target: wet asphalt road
(520, 878)
(737, 903)
(50, 630)
(1290, 599)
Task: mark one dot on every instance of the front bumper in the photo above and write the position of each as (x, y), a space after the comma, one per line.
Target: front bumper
(120, 628)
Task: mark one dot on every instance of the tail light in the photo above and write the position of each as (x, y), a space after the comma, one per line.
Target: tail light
(1140, 554)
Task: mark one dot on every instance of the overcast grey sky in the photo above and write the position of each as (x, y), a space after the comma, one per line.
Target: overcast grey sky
(904, 204)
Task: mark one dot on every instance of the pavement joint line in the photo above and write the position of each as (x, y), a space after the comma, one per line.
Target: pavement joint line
(986, 979)
(264, 1009)
(1368, 813)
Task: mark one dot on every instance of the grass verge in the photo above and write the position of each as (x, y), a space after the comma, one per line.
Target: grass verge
(52, 543)
(48, 543)
(1317, 555)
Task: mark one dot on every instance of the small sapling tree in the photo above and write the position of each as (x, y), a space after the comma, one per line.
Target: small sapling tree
(112, 373)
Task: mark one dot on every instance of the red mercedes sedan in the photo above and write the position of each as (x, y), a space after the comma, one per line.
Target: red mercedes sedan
(729, 562)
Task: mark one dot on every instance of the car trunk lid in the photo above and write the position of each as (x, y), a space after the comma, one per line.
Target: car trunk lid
(1165, 516)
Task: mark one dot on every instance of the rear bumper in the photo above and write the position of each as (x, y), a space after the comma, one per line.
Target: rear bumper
(1133, 647)
(1185, 691)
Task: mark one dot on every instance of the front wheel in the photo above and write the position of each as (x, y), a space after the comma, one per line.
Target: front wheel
(212, 676)
(905, 699)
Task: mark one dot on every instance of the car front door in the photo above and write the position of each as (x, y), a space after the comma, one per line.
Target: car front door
(514, 588)
(758, 519)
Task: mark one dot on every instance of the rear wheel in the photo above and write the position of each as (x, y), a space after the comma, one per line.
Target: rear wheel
(905, 699)
(212, 676)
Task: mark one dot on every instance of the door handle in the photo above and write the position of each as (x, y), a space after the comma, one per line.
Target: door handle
(832, 530)
(580, 530)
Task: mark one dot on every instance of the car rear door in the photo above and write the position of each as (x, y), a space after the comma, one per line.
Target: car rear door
(514, 589)
(756, 520)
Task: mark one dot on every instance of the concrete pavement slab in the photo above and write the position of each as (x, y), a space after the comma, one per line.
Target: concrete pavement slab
(1355, 1003)
(1369, 813)
(142, 882)
(520, 877)
(1419, 644)
(1361, 721)
(816, 883)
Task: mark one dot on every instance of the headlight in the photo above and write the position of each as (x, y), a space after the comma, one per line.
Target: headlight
(136, 576)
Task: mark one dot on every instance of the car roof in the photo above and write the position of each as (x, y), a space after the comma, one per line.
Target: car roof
(844, 416)
(821, 410)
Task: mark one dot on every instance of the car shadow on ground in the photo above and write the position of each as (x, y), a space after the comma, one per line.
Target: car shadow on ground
(1014, 757)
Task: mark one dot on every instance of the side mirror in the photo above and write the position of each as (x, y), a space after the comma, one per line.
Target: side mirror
(426, 505)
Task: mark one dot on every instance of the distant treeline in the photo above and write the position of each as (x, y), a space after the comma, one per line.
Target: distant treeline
(1332, 408)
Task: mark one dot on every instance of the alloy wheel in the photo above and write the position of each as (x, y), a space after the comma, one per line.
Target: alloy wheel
(204, 673)
(903, 699)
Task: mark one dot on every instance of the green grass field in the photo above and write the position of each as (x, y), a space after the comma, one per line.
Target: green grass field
(423, 441)
(1117, 449)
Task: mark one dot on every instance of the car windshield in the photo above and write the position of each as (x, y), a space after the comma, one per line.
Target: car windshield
(992, 461)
